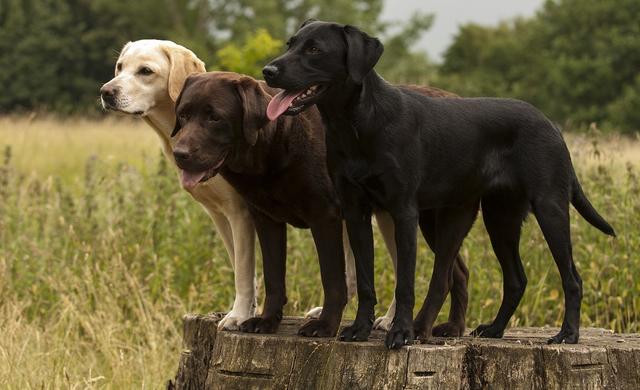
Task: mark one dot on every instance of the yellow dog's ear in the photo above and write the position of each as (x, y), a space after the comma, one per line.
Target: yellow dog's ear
(254, 104)
(183, 62)
(124, 50)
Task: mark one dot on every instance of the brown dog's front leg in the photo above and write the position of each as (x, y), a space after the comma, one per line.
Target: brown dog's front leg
(273, 243)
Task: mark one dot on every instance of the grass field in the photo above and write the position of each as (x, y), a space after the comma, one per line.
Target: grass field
(101, 254)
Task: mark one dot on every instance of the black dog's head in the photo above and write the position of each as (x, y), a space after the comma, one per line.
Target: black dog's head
(218, 114)
(319, 55)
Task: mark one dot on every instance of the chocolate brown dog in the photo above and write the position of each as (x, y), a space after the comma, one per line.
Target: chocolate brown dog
(280, 169)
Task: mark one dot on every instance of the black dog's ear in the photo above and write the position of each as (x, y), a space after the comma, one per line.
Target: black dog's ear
(310, 20)
(254, 104)
(363, 52)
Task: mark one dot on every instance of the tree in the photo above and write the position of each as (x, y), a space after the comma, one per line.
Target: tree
(578, 60)
(57, 53)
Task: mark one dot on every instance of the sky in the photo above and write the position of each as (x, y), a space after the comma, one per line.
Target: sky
(449, 14)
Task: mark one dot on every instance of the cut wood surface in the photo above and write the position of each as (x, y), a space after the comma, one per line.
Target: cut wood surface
(214, 359)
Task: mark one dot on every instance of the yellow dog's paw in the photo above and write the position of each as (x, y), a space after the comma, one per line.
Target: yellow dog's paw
(232, 320)
(383, 323)
(314, 313)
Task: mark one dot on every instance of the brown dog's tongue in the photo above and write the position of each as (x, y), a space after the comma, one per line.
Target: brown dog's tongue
(279, 104)
(190, 179)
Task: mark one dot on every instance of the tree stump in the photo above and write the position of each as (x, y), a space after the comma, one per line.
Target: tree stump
(521, 360)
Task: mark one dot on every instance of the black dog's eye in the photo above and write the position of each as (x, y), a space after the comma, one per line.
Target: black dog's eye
(145, 71)
(313, 50)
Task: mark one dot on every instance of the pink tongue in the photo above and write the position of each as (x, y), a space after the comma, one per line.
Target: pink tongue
(190, 179)
(279, 104)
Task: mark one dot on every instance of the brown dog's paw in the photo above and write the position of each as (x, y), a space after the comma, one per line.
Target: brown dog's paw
(318, 328)
(490, 331)
(260, 325)
(448, 329)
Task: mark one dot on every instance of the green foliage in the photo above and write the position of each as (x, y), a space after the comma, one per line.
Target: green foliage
(57, 53)
(577, 60)
(399, 63)
(99, 262)
(251, 56)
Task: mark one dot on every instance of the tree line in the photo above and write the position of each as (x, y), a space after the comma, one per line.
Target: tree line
(577, 60)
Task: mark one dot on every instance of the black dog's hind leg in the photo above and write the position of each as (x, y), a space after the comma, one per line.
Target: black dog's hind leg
(328, 239)
(503, 219)
(455, 325)
(553, 218)
(452, 225)
(273, 243)
(401, 332)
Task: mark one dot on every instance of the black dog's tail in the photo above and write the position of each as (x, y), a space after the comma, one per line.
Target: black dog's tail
(585, 208)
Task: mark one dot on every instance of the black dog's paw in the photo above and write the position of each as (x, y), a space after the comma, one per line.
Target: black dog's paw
(399, 336)
(565, 336)
(490, 331)
(260, 325)
(318, 328)
(448, 329)
(358, 331)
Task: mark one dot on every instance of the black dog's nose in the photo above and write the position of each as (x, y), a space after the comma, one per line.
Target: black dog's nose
(108, 93)
(270, 71)
(181, 155)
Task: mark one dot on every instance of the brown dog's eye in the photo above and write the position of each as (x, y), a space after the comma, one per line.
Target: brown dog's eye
(211, 115)
(145, 71)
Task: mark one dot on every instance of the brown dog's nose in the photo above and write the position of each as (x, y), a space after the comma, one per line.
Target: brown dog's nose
(270, 72)
(181, 155)
(108, 93)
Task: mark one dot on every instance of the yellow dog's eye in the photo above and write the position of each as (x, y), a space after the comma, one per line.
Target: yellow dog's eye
(145, 71)
(119, 66)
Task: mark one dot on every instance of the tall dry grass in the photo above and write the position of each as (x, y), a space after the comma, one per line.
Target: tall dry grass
(101, 254)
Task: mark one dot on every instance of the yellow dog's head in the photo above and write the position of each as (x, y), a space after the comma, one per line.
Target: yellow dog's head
(149, 73)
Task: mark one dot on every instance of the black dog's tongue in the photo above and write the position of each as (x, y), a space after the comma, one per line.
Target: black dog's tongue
(280, 103)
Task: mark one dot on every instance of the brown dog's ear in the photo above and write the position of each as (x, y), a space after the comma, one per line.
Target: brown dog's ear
(363, 52)
(310, 20)
(177, 126)
(254, 104)
(182, 63)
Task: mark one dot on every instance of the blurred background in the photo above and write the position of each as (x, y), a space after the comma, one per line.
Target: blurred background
(578, 60)
(101, 252)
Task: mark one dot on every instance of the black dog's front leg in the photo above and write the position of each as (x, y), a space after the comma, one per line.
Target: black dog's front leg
(273, 243)
(361, 240)
(401, 332)
(328, 239)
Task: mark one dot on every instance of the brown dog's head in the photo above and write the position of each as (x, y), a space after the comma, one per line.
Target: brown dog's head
(217, 113)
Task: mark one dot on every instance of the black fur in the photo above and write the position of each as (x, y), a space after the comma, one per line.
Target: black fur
(396, 149)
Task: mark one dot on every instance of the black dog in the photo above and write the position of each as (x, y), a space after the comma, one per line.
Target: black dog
(392, 148)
